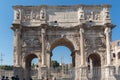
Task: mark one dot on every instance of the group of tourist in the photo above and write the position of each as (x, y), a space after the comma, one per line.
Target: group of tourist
(17, 78)
(53, 78)
(12, 78)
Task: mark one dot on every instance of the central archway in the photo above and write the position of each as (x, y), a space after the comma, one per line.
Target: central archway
(61, 54)
(67, 43)
(64, 43)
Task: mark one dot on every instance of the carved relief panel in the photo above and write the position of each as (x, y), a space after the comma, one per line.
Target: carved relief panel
(94, 40)
(31, 41)
(34, 14)
(90, 13)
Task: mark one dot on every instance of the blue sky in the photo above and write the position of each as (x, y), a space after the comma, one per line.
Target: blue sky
(6, 19)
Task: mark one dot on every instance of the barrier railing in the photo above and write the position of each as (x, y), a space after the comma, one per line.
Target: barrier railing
(96, 73)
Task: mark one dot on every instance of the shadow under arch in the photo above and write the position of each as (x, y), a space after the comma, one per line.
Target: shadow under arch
(94, 66)
(67, 43)
(96, 60)
(28, 61)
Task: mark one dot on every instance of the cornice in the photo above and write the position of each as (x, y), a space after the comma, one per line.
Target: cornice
(109, 25)
(15, 26)
(63, 6)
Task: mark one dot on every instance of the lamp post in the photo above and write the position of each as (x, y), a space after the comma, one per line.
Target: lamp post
(1, 58)
(62, 65)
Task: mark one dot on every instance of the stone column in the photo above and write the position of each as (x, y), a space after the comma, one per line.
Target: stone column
(82, 47)
(108, 46)
(116, 60)
(39, 68)
(17, 47)
(48, 63)
(24, 72)
(43, 46)
(77, 63)
(48, 58)
(91, 65)
(109, 69)
(83, 68)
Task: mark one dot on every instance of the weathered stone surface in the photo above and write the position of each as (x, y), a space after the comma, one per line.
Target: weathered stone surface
(84, 29)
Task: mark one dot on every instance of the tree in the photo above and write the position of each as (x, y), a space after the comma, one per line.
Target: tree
(55, 64)
(6, 67)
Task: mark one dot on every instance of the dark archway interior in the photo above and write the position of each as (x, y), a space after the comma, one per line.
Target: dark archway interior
(28, 62)
(118, 55)
(29, 58)
(96, 62)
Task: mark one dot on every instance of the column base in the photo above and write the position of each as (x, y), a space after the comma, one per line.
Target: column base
(18, 72)
(83, 73)
(44, 72)
(110, 72)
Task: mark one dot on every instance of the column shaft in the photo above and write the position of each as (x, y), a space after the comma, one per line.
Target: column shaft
(17, 47)
(82, 46)
(43, 46)
(108, 46)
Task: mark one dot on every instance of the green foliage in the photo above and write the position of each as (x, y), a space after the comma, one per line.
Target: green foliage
(6, 67)
(55, 64)
(32, 65)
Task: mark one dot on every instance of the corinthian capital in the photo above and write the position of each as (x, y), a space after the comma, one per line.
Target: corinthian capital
(107, 30)
(81, 30)
(42, 30)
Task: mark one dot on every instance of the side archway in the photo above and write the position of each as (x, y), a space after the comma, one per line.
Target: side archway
(28, 66)
(94, 66)
(94, 59)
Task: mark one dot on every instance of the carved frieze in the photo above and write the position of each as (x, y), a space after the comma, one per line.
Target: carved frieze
(76, 39)
(34, 14)
(52, 38)
(61, 16)
(31, 41)
(89, 15)
(92, 15)
(94, 41)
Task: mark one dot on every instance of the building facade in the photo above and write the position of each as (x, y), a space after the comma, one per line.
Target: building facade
(116, 55)
(85, 29)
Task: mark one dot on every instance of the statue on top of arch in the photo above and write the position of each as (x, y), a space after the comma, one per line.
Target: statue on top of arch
(43, 14)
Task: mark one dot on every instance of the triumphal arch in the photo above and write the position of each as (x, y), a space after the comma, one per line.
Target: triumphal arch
(84, 29)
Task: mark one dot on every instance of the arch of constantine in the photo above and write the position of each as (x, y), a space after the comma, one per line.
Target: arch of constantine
(84, 29)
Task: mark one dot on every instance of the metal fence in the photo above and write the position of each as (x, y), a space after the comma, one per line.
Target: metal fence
(95, 73)
(6, 73)
(62, 74)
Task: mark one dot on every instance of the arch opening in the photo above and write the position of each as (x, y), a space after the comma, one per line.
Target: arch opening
(66, 44)
(118, 55)
(94, 66)
(94, 60)
(62, 52)
(31, 66)
(62, 42)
